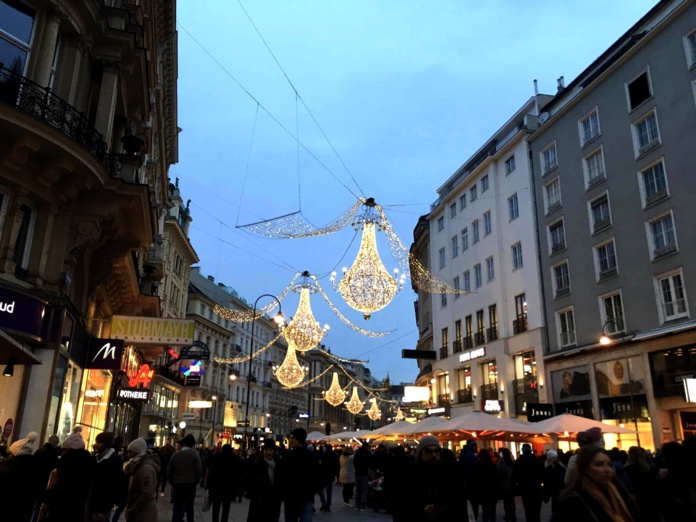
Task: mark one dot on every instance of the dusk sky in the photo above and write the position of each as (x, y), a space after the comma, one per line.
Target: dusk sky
(405, 91)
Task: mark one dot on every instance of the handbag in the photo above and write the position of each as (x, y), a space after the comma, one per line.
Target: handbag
(206, 501)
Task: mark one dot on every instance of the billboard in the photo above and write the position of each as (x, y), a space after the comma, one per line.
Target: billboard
(620, 377)
(152, 330)
(572, 384)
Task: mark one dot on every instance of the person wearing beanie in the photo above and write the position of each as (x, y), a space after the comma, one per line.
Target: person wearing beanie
(593, 436)
(69, 484)
(299, 478)
(108, 477)
(554, 478)
(184, 472)
(17, 479)
(527, 478)
(142, 468)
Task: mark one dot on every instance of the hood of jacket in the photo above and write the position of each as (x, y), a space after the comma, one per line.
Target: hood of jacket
(151, 459)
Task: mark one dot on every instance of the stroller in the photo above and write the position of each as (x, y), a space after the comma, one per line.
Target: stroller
(376, 497)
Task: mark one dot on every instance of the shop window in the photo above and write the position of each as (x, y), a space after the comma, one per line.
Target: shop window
(464, 384)
(70, 399)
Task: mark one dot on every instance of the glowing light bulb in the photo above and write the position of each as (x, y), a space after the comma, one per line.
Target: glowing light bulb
(335, 394)
(290, 373)
(355, 405)
(304, 330)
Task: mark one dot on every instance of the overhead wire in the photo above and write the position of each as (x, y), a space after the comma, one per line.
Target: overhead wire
(246, 168)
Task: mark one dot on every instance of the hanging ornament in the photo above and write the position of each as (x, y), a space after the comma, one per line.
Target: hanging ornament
(367, 286)
(374, 413)
(355, 405)
(399, 415)
(304, 330)
(335, 394)
(290, 373)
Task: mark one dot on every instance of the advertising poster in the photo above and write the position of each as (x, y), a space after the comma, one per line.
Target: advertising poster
(572, 384)
(620, 377)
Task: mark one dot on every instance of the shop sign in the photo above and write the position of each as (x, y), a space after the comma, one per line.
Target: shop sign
(133, 394)
(200, 404)
(193, 380)
(152, 330)
(416, 394)
(472, 354)
(195, 368)
(492, 405)
(579, 408)
(188, 415)
(688, 420)
(623, 409)
(303, 415)
(23, 314)
(94, 394)
(439, 411)
(538, 411)
(143, 376)
(197, 350)
(7, 430)
(104, 354)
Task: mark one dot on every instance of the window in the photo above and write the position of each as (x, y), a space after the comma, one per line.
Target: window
(16, 28)
(552, 194)
(487, 224)
(445, 337)
(473, 193)
(469, 324)
(646, 134)
(455, 246)
(653, 183)
(513, 207)
(599, 213)
(440, 223)
(589, 127)
(557, 236)
(605, 256)
(480, 326)
(638, 90)
(490, 269)
(612, 313)
(509, 165)
(477, 275)
(462, 202)
(690, 46)
(663, 239)
(516, 256)
(22, 244)
(594, 168)
(549, 160)
(519, 325)
(453, 210)
(465, 239)
(456, 287)
(475, 230)
(442, 257)
(467, 281)
(566, 323)
(484, 183)
(443, 300)
(492, 323)
(672, 296)
(561, 279)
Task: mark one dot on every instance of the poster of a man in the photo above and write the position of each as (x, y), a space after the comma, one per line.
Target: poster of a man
(571, 384)
(613, 377)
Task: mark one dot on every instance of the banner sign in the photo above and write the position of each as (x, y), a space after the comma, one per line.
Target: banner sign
(197, 350)
(152, 330)
(537, 411)
(579, 408)
(625, 409)
(23, 314)
(133, 394)
(104, 354)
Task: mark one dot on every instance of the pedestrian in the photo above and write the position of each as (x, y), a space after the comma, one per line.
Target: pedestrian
(18, 479)
(527, 478)
(262, 486)
(554, 478)
(467, 461)
(69, 484)
(396, 476)
(222, 481)
(362, 461)
(505, 465)
(46, 459)
(486, 485)
(594, 494)
(330, 468)
(184, 472)
(346, 474)
(165, 453)
(107, 478)
(142, 467)
(299, 478)
(583, 438)
(643, 476)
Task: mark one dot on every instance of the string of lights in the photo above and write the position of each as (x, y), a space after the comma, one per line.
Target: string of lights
(341, 359)
(245, 358)
(353, 379)
(310, 381)
(243, 316)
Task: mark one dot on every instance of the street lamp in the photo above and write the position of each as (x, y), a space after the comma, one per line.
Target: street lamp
(608, 338)
(279, 319)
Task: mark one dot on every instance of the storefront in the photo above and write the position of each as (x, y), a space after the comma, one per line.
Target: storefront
(160, 415)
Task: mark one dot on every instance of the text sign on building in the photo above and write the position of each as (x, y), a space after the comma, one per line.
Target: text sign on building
(131, 394)
(23, 314)
(143, 376)
(492, 405)
(538, 412)
(152, 330)
(472, 354)
(193, 380)
(104, 354)
(197, 350)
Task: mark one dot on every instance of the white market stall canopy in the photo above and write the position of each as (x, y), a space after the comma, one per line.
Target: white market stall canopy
(394, 428)
(427, 425)
(316, 436)
(568, 425)
(346, 436)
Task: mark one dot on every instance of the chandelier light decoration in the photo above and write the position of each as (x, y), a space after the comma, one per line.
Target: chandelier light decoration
(399, 415)
(304, 330)
(374, 412)
(355, 405)
(335, 394)
(290, 373)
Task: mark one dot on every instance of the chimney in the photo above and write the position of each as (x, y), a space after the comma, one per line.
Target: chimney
(211, 279)
(221, 285)
(561, 83)
(196, 269)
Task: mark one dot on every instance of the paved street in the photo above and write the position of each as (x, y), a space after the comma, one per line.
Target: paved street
(339, 513)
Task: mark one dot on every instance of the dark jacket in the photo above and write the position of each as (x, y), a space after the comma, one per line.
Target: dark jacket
(527, 475)
(106, 483)
(299, 476)
(330, 465)
(225, 476)
(645, 489)
(362, 461)
(17, 475)
(265, 495)
(554, 482)
(185, 467)
(582, 507)
(486, 484)
(67, 500)
(165, 453)
(46, 461)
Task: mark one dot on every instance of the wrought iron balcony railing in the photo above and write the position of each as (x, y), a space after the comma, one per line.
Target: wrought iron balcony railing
(464, 396)
(468, 342)
(444, 352)
(519, 325)
(489, 391)
(457, 346)
(525, 386)
(443, 398)
(492, 333)
(479, 338)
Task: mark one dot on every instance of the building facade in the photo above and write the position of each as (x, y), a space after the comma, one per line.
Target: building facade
(613, 179)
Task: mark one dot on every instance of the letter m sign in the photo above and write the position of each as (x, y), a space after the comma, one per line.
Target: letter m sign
(104, 354)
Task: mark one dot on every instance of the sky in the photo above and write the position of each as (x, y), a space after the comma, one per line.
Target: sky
(406, 91)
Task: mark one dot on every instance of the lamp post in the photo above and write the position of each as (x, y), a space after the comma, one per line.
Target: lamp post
(280, 321)
(606, 340)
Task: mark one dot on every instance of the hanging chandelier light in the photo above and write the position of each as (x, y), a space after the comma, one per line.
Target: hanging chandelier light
(367, 286)
(335, 394)
(374, 412)
(355, 405)
(399, 415)
(290, 373)
(304, 330)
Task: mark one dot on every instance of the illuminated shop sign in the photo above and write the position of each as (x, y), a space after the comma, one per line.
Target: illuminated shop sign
(197, 350)
(492, 405)
(538, 412)
(104, 354)
(436, 411)
(23, 314)
(143, 376)
(195, 368)
(416, 394)
(472, 354)
(153, 330)
(303, 415)
(92, 394)
(133, 394)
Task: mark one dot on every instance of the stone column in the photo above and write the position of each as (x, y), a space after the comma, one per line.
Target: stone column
(106, 108)
(45, 53)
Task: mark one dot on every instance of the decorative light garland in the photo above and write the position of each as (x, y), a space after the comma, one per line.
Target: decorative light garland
(400, 415)
(304, 330)
(335, 394)
(355, 405)
(366, 388)
(245, 358)
(341, 359)
(374, 412)
(290, 373)
(243, 316)
(310, 381)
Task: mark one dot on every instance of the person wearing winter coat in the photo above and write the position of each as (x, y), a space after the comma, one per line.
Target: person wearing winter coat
(184, 472)
(107, 479)
(262, 486)
(346, 474)
(643, 476)
(224, 476)
(46, 459)
(527, 478)
(485, 486)
(17, 476)
(505, 465)
(554, 478)
(142, 468)
(69, 484)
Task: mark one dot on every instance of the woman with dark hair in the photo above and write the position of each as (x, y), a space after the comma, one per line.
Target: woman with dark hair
(643, 477)
(505, 465)
(593, 493)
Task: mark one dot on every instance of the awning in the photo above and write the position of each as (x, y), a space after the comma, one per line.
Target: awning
(9, 347)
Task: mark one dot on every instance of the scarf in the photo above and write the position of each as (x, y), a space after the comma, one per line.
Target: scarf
(270, 464)
(130, 465)
(610, 500)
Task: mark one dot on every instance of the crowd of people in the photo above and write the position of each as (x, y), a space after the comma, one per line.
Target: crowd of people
(64, 482)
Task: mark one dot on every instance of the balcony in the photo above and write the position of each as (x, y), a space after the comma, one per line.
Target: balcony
(479, 338)
(267, 384)
(492, 333)
(443, 399)
(464, 396)
(519, 325)
(489, 391)
(444, 352)
(525, 386)
(170, 374)
(457, 346)
(468, 342)
(237, 348)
